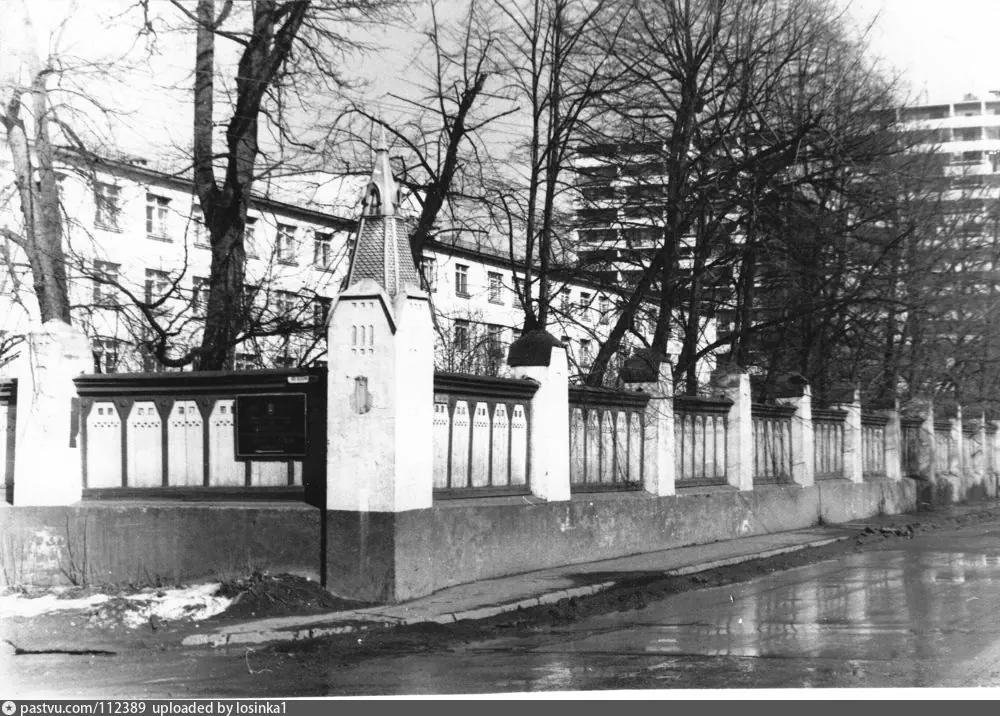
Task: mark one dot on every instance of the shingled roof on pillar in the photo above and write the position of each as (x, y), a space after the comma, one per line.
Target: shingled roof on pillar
(382, 249)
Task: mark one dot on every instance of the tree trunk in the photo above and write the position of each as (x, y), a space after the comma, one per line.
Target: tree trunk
(39, 194)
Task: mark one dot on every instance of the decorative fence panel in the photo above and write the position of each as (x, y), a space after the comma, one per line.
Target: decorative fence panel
(700, 440)
(828, 433)
(480, 435)
(873, 445)
(944, 447)
(772, 443)
(910, 428)
(606, 439)
(173, 435)
(8, 426)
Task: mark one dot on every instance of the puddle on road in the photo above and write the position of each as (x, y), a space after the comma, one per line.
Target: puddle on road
(874, 606)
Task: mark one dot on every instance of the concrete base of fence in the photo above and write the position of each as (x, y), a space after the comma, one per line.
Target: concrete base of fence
(391, 557)
(394, 557)
(952, 489)
(155, 543)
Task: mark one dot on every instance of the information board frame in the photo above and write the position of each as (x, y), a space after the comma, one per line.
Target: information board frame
(247, 442)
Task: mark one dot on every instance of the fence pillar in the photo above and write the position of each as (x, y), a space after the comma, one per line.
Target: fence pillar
(927, 442)
(541, 357)
(956, 464)
(853, 465)
(803, 436)
(47, 457)
(735, 386)
(380, 401)
(654, 375)
(893, 444)
(995, 447)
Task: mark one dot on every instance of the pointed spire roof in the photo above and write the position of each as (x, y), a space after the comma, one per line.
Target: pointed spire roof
(381, 196)
(382, 249)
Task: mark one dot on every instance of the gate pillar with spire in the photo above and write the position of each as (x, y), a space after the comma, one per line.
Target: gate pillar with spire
(380, 399)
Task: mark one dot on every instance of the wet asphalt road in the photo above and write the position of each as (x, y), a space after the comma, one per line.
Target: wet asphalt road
(924, 615)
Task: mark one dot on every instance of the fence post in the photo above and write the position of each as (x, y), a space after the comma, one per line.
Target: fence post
(654, 375)
(735, 386)
(541, 357)
(978, 466)
(853, 465)
(893, 444)
(380, 400)
(803, 437)
(995, 448)
(957, 466)
(927, 442)
(47, 457)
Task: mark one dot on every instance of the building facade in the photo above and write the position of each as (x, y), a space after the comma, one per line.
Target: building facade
(137, 245)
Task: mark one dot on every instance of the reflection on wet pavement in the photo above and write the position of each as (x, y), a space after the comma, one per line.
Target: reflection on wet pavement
(891, 618)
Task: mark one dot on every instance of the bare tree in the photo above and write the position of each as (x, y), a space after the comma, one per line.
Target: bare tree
(286, 48)
(441, 145)
(556, 70)
(728, 99)
(27, 116)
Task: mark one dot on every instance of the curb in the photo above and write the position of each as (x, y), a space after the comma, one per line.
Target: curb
(265, 636)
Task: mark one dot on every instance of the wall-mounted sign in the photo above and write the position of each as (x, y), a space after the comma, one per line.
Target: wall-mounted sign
(270, 426)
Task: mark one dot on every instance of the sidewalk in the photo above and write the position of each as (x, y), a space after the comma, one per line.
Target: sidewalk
(478, 600)
(481, 600)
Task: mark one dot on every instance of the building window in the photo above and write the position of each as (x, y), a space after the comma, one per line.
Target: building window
(105, 283)
(461, 339)
(107, 199)
(496, 287)
(198, 229)
(584, 306)
(586, 353)
(250, 236)
(321, 312)
(199, 295)
(284, 303)
(285, 361)
(428, 274)
(462, 280)
(157, 211)
(149, 362)
(494, 346)
(322, 250)
(157, 285)
(246, 361)
(285, 243)
(105, 355)
(604, 306)
(564, 300)
(968, 134)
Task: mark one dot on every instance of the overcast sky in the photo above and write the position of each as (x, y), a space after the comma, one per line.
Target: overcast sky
(942, 48)
(945, 48)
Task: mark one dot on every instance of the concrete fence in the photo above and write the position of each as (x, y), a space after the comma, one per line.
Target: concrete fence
(480, 438)
(174, 435)
(606, 439)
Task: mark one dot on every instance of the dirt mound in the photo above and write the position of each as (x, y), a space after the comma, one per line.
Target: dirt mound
(262, 595)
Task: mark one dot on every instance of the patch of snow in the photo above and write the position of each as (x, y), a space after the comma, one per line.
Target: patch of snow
(18, 605)
(193, 603)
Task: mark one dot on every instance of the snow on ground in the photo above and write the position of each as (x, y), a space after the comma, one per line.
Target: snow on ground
(194, 603)
(18, 605)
